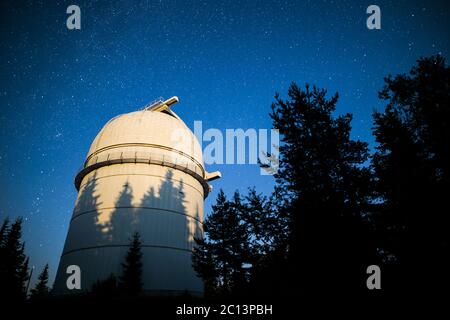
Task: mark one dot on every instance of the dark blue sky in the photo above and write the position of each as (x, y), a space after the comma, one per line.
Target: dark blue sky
(224, 59)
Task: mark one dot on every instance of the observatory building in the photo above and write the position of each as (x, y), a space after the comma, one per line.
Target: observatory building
(143, 173)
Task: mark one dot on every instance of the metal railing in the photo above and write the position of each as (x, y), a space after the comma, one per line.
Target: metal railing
(174, 161)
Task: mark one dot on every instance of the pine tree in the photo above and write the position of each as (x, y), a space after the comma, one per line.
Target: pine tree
(225, 251)
(130, 283)
(321, 172)
(24, 276)
(14, 273)
(412, 170)
(263, 222)
(4, 275)
(4, 231)
(267, 226)
(204, 264)
(240, 248)
(41, 290)
(106, 288)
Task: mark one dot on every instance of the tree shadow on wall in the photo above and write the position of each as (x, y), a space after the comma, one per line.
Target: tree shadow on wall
(175, 231)
(113, 227)
(85, 231)
(86, 206)
(123, 219)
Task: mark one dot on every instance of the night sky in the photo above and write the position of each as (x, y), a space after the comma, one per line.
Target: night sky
(224, 60)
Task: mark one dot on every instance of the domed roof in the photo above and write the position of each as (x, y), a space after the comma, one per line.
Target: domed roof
(147, 128)
(155, 135)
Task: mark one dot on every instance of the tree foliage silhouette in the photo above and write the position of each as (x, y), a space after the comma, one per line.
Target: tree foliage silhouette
(315, 217)
(3, 232)
(130, 282)
(241, 232)
(411, 167)
(204, 263)
(41, 289)
(333, 213)
(106, 288)
(222, 258)
(321, 172)
(13, 261)
(268, 227)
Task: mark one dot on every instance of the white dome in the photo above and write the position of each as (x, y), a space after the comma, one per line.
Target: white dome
(147, 129)
(147, 136)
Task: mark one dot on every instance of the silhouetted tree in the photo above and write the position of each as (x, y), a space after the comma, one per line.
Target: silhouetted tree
(331, 214)
(204, 264)
(321, 173)
(411, 166)
(41, 289)
(106, 288)
(130, 282)
(267, 225)
(223, 257)
(13, 262)
(260, 222)
(4, 231)
(24, 276)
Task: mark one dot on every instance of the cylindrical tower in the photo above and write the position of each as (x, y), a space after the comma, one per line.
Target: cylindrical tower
(144, 172)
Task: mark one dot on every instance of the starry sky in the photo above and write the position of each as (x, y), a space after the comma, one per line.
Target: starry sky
(224, 60)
